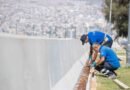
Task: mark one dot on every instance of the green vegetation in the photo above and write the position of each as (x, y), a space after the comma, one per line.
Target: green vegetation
(124, 75)
(104, 83)
(119, 15)
(120, 52)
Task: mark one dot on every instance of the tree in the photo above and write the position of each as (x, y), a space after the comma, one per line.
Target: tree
(119, 15)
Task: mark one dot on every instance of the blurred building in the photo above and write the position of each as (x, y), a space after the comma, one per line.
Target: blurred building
(49, 18)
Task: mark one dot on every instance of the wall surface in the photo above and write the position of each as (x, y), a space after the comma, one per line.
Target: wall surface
(33, 63)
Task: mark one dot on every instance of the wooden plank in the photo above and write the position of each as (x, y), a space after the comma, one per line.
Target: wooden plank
(121, 84)
(88, 86)
(93, 83)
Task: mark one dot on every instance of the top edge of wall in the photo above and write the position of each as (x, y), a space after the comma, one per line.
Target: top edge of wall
(31, 37)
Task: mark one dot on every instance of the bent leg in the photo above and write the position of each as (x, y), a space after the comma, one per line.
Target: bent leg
(106, 69)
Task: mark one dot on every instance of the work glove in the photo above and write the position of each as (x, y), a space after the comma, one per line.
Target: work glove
(89, 60)
(93, 64)
(90, 57)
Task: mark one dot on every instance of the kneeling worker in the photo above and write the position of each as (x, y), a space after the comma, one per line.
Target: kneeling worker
(108, 61)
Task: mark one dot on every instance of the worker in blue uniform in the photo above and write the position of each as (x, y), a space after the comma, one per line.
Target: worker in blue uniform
(108, 61)
(96, 37)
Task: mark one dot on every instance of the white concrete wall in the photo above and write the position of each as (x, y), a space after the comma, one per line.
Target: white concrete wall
(28, 63)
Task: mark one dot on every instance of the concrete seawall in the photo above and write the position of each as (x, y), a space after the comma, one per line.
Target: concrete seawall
(33, 63)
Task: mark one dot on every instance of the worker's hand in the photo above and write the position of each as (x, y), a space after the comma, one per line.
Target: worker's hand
(90, 62)
(93, 64)
(92, 70)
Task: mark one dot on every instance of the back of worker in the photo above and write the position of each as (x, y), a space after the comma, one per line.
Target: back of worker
(99, 37)
(110, 56)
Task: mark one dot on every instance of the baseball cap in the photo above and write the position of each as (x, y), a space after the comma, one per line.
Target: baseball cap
(83, 38)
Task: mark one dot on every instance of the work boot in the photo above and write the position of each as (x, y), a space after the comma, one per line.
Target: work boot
(112, 76)
(106, 72)
(103, 70)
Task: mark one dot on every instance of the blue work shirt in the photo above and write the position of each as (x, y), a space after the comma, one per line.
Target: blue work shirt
(97, 37)
(110, 56)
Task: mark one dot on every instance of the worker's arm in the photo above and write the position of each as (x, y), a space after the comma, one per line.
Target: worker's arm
(90, 55)
(91, 51)
(101, 60)
(97, 62)
(94, 56)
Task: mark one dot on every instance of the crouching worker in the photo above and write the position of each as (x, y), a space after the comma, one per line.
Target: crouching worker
(93, 37)
(108, 61)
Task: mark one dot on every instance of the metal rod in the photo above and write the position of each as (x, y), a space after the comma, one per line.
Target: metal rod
(128, 46)
(129, 25)
(110, 15)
